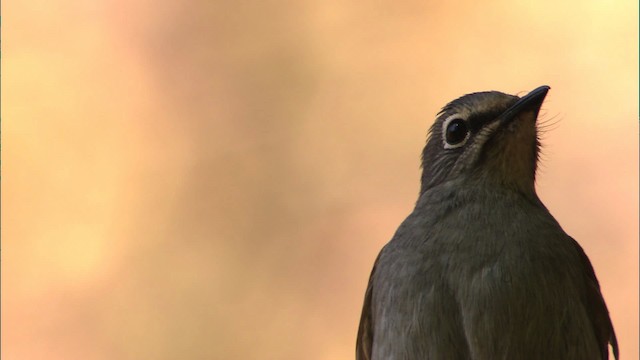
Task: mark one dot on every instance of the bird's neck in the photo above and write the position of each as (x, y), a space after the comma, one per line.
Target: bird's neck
(455, 192)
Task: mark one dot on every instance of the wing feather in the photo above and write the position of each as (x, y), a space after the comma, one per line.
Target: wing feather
(364, 342)
(600, 320)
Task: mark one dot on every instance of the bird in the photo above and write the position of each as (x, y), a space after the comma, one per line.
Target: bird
(480, 269)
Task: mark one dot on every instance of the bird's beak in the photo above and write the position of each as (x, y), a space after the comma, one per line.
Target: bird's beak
(530, 102)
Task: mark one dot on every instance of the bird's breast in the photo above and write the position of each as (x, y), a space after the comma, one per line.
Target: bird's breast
(473, 273)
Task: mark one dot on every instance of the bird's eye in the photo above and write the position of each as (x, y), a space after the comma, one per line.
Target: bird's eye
(456, 133)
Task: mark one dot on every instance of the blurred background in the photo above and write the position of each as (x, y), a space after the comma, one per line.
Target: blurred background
(214, 179)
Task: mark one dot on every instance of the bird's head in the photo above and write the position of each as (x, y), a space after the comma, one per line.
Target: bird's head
(485, 137)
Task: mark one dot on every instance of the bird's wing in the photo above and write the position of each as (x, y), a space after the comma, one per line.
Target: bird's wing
(600, 320)
(364, 342)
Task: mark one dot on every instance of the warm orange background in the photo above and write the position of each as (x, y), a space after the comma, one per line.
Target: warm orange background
(213, 179)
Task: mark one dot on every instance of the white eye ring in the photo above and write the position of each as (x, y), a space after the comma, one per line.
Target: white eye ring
(445, 124)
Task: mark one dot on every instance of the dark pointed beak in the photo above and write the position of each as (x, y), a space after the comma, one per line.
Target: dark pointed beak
(530, 102)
